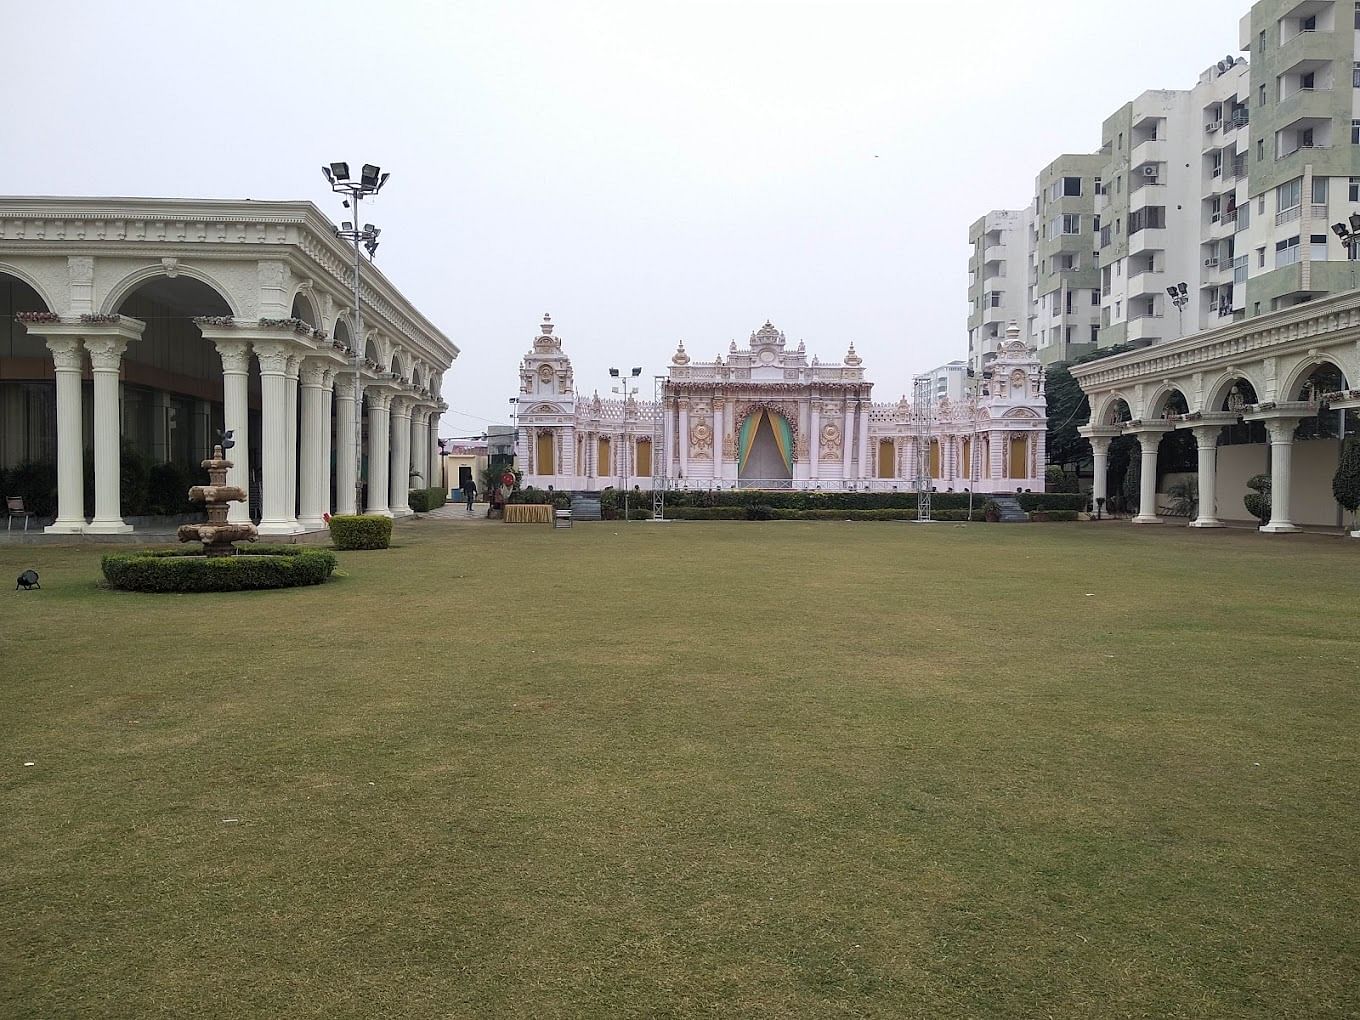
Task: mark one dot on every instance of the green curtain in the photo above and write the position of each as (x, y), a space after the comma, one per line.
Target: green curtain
(783, 436)
(747, 435)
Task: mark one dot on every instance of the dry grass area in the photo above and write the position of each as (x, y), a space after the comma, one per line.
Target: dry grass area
(721, 770)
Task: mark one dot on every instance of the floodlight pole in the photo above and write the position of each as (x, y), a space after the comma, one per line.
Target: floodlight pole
(370, 183)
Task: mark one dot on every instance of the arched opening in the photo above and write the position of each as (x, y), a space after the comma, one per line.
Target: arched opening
(1121, 470)
(765, 450)
(602, 451)
(966, 460)
(172, 398)
(304, 310)
(644, 458)
(1318, 443)
(887, 458)
(545, 463)
(1177, 458)
(28, 404)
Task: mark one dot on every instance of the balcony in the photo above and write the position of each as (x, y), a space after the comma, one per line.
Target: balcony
(994, 253)
(994, 282)
(1148, 283)
(1305, 47)
(1151, 151)
(1148, 239)
(1315, 104)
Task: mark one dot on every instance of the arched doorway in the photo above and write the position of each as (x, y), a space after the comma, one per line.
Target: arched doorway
(765, 450)
(28, 403)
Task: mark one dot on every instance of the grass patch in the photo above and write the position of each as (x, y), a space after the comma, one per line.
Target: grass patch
(694, 769)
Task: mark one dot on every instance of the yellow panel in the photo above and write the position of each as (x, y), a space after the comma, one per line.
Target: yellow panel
(644, 458)
(966, 461)
(543, 462)
(602, 458)
(934, 458)
(1019, 456)
(887, 457)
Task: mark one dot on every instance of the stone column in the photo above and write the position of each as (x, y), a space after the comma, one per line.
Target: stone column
(815, 442)
(276, 517)
(420, 447)
(1147, 493)
(399, 478)
(847, 441)
(1100, 457)
(315, 454)
(346, 459)
(106, 357)
(290, 446)
(378, 453)
(718, 405)
(67, 358)
(1281, 453)
(866, 471)
(235, 356)
(683, 408)
(1206, 443)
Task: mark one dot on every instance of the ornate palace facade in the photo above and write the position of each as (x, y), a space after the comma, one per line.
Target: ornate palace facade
(770, 417)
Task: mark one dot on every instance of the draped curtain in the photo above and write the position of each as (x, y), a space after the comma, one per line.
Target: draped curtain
(783, 435)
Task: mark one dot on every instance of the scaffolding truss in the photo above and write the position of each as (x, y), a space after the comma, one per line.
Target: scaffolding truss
(922, 420)
(661, 454)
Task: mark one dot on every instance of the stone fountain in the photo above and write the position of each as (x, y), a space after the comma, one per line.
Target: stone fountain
(218, 534)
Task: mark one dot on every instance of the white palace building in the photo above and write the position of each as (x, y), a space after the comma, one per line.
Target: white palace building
(770, 417)
(150, 324)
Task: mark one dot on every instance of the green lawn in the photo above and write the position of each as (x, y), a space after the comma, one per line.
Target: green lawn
(720, 770)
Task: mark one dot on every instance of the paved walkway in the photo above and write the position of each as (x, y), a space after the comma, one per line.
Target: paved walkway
(458, 513)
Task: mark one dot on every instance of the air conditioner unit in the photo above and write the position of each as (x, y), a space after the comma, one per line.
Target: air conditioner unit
(1149, 171)
(1211, 128)
(1211, 263)
(1215, 217)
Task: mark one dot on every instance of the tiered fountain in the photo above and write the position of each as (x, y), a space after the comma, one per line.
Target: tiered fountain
(218, 534)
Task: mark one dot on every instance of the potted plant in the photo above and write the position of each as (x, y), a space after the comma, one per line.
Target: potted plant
(991, 512)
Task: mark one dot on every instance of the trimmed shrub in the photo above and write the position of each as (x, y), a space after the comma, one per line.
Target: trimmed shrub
(760, 512)
(1043, 516)
(1346, 481)
(251, 569)
(361, 531)
(1257, 501)
(424, 500)
(1031, 501)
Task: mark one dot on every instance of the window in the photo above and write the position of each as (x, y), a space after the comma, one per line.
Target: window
(1262, 47)
(1354, 193)
(1308, 24)
(1319, 191)
(1071, 224)
(1070, 331)
(1261, 96)
(1095, 333)
(1121, 139)
(994, 298)
(1066, 261)
(1355, 75)
(1071, 187)
(1286, 252)
(1260, 205)
(1095, 298)
(1118, 185)
(1306, 81)
(1289, 195)
(1152, 218)
(1317, 247)
(1357, 15)
(1118, 267)
(1260, 149)
(1261, 257)
(1117, 306)
(1355, 132)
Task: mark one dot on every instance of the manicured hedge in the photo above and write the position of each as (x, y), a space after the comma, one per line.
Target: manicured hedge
(1041, 516)
(186, 570)
(1030, 501)
(424, 500)
(736, 513)
(361, 531)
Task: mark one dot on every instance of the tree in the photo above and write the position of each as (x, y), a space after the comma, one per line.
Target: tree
(1068, 409)
(1257, 501)
(1346, 481)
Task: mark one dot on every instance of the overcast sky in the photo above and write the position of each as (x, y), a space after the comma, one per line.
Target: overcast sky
(645, 171)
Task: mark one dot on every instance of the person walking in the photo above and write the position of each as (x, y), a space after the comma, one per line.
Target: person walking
(470, 493)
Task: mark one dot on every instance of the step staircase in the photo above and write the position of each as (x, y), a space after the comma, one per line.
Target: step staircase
(1010, 510)
(585, 508)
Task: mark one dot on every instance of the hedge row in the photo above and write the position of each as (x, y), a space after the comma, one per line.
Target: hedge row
(764, 512)
(251, 569)
(361, 531)
(1053, 515)
(1031, 501)
(611, 500)
(541, 497)
(424, 500)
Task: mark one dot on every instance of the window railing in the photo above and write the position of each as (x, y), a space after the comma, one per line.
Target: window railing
(1286, 215)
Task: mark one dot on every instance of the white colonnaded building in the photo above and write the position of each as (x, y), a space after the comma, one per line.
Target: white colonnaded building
(770, 417)
(150, 324)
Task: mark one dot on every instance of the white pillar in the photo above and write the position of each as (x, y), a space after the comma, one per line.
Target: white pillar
(1206, 442)
(683, 406)
(67, 358)
(400, 475)
(1281, 453)
(106, 356)
(847, 440)
(1100, 457)
(420, 453)
(378, 453)
(346, 451)
(865, 472)
(315, 455)
(1147, 495)
(815, 442)
(290, 443)
(432, 449)
(276, 517)
(235, 356)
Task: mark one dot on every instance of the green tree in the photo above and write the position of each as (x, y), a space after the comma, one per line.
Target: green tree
(1068, 410)
(1346, 481)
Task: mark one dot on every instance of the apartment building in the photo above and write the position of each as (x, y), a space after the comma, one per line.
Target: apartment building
(951, 381)
(1063, 288)
(997, 277)
(1303, 170)
(1171, 189)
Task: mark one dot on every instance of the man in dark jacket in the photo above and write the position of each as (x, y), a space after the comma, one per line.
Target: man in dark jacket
(470, 492)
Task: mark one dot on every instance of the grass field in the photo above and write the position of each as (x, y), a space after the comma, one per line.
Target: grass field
(719, 770)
